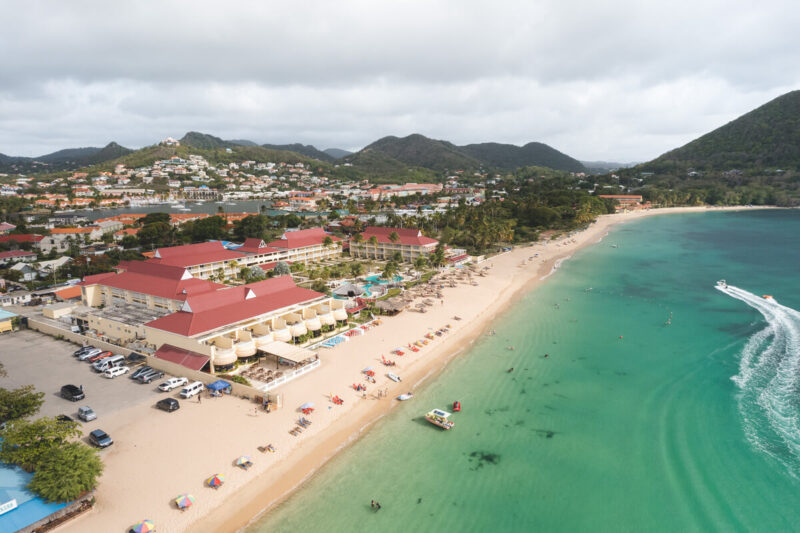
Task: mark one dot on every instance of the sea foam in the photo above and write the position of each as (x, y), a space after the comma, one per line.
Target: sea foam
(768, 380)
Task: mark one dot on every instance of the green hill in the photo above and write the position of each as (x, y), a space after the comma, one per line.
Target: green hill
(768, 136)
(67, 159)
(304, 149)
(509, 156)
(337, 153)
(204, 141)
(419, 151)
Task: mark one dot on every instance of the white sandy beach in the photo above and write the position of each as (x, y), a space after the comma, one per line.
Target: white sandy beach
(157, 456)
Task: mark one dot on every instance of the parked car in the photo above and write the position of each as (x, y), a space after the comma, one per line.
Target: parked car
(172, 383)
(86, 413)
(168, 404)
(108, 362)
(140, 371)
(101, 355)
(72, 393)
(192, 389)
(82, 350)
(151, 376)
(115, 371)
(89, 354)
(100, 438)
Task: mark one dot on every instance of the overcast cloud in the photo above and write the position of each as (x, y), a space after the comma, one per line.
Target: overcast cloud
(614, 80)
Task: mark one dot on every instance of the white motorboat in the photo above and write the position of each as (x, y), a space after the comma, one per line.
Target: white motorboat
(722, 284)
(404, 397)
(394, 377)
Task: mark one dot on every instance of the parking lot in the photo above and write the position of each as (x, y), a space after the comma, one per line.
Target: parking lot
(33, 358)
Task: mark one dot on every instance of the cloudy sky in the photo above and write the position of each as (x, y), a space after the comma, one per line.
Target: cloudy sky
(614, 80)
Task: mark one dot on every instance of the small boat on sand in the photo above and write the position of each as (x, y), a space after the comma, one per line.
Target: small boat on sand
(394, 377)
(404, 397)
(437, 417)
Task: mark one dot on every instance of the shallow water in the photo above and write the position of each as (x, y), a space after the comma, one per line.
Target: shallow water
(630, 424)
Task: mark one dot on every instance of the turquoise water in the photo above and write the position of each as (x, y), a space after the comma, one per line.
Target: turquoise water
(686, 426)
(30, 508)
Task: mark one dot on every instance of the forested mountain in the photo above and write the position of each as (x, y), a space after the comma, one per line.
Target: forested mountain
(69, 158)
(337, 153)
(767, 137)
(509, 156)
(419, 151)
(304, 149)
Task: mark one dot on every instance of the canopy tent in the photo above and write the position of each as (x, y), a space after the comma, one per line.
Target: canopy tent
(220, 385)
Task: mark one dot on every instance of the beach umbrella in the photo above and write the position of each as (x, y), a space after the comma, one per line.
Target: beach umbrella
(243, 460)
(216, 480)
(368, 369)
(184, 501)
(307, 405)
(145, 526)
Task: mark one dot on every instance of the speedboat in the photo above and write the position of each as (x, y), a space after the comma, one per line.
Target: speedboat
(456, 406)
(406, 396)
(437, 417)
(394, 377)
(722, 284)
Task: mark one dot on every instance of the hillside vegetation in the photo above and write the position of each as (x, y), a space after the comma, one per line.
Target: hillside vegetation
(767, 137)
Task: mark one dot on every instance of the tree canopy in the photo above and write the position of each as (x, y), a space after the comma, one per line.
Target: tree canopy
(19, 403)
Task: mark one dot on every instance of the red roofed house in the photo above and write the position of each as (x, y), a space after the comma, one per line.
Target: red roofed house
(20, 238)
(14, 256)
(410, 242)
(307, 245)
(5, 227)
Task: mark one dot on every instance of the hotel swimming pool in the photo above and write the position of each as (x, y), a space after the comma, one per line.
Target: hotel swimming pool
(376, 280)
(29, 507)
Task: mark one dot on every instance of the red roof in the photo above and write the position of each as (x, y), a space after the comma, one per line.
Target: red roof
(5, 226)
(300, 239)
(209, 311)
(69, 293)
(255, 245)
(155, 279)
(194, 254)
(187, 358)
(16, 253)
(410, 236)
(21, 237)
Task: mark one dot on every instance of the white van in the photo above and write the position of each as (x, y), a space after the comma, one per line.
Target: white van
(192, 389)
(109, 362)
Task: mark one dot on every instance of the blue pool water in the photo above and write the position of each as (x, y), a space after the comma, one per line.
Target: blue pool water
(30, 508)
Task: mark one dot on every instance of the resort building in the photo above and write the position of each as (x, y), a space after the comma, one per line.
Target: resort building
(203, 260)
(157, 305)
(626, 202)
(377, 243)
(307, 246)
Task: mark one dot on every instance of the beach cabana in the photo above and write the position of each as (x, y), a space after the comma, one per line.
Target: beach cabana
(220, 386)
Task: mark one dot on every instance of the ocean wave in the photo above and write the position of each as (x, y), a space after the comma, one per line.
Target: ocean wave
(768, 380)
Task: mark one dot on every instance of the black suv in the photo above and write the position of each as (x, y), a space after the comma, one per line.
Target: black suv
(72, 393)
(168, 404)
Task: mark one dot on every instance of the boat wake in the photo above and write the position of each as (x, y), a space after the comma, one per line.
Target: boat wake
(769, 380)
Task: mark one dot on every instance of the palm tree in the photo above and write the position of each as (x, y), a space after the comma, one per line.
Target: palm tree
(420, 263)
(389, 270)
(374, 242)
